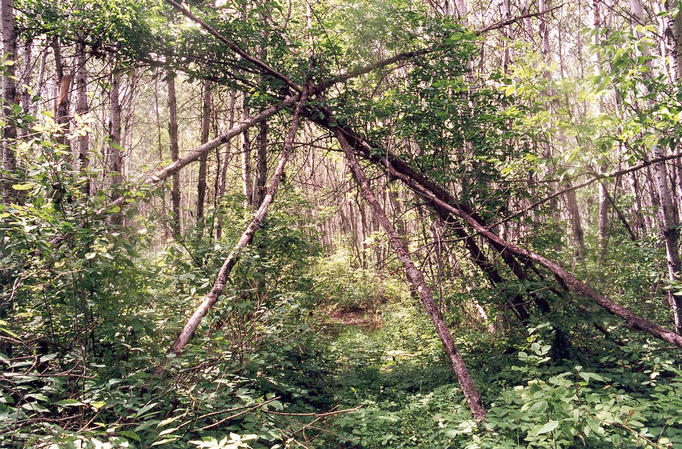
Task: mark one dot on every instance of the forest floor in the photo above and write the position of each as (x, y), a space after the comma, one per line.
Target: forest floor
(390, 362)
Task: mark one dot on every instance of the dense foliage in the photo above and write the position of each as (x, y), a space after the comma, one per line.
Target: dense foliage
(316, 340)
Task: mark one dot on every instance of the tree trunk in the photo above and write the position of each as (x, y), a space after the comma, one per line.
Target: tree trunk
(673, 35)
(247, 183)
(157, 113)
(226, 161)
(9, 93)
(417, 282)
(603, 216)
(63, 100)
(261, 163)
(668, 220)
(175, 155)
(115, 156)
(25, 81)
(261, 174)
(203, 160)
(576, 225)
(245, 239)
(82, 109)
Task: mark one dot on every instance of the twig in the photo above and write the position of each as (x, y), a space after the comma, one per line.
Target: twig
(596, 178)
(252, 407)
(329, 413)
(504, 23)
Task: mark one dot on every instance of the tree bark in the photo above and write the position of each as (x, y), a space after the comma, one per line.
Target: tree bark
(203, 160)
(175, 156)
(63, 100)
(668, 220)
(245, 239)
(82, 109)
(261, 174)
(576, 225)
(9, 93)
(416, 279)
(226, 161)
(261, 163)
(115, 156)
(247, 183)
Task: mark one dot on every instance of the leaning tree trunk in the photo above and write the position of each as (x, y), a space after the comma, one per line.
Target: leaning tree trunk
(416, 279)
(442, 201)
(175, 154)
(245, 239)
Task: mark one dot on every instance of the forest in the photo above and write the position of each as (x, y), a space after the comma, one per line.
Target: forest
(328, 224)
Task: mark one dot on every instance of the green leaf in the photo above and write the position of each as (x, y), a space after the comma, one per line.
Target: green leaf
(164, 441)
(97, 404)
(548, 427)
(26, 186)
(130, 434)
(70, 403)
(145, 409)
(38, 397)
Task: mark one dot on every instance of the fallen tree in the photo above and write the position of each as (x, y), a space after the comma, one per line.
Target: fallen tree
(246, 238)
(417, 282)
(442, 201)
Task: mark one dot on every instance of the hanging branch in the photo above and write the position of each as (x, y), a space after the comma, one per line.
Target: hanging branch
(246, 238)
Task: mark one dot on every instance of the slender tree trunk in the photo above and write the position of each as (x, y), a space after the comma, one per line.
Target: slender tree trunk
(82, 109)
(9, 93)
(175, 155)
(576, 225)
(115, 157)
(203, 160)
(226, 161)
(26, 81)
(245, 239)
(247, 183)
(603, 216)
(668, 220)
(262, 148)
(673, 35)
(157, 112)
(261, 163)
(63, 101)
(640, 221)
(115, 153)
(416, 279)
